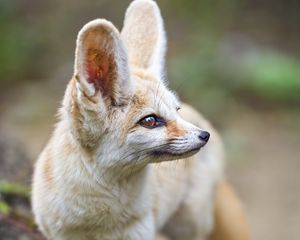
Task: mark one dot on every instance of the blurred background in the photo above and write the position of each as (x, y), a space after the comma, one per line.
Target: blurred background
(237, 61)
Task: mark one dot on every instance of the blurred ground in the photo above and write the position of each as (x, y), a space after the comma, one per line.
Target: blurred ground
(267, 180)
(237, 62)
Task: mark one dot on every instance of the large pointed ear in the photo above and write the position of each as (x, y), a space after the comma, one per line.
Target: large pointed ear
(143, 34)
(101, 65)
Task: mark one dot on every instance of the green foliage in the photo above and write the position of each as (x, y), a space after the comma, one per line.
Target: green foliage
(15, 43)
(274, 76)
(217, 76)
(4, 208)
(14, 188)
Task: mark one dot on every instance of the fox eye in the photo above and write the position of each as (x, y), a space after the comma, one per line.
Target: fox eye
(151, 121)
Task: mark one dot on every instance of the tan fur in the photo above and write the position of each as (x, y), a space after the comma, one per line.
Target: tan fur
(145, 31)
(103, 175)
(139, 100)
(230, 221)
(151, 29)
(141, 74)
(48, 169)
(173, 130)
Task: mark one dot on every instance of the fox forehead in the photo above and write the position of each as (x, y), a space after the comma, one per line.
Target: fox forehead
(151, 92)
(150, 96)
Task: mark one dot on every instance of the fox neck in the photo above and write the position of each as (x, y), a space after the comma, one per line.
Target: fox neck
(118, 175)
(125, 198)
(127, 195)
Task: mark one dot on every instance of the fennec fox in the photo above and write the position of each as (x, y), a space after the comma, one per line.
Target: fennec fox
(110, 170)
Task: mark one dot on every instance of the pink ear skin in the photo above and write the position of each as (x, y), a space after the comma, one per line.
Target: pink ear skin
(97, 69)
(101, 63)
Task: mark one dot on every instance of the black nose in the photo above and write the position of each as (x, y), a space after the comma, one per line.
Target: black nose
(204, 136)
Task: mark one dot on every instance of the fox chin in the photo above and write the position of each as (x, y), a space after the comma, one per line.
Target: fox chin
(127, 160)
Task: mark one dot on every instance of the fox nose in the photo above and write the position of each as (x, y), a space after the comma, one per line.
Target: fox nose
(204, 136)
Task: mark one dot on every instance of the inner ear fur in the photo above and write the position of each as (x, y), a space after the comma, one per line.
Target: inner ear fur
(144, 36)
(101, 64)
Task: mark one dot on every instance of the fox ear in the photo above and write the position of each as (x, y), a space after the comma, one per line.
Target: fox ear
(143, 34)
(101, 64)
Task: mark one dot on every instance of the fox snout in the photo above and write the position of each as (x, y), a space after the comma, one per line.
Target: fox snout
(204, 136)
(201, 139)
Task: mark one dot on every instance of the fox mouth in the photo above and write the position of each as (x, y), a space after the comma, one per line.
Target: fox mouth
(175, 154)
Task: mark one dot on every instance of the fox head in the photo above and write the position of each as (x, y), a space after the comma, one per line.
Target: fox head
(117, 104)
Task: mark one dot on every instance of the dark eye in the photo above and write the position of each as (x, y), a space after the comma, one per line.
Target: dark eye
(151, 121)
